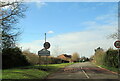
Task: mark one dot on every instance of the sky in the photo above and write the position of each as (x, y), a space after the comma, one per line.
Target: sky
(70, 26)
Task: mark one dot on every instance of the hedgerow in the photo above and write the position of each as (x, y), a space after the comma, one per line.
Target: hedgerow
(108, 58)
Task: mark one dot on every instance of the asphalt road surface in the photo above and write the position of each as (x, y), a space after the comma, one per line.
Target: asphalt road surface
(85, 70)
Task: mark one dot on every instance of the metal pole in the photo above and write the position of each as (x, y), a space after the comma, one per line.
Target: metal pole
(118, 39)
(46, 56)
(118, 63)
(46, 61)
(45, 37)
(39, 61)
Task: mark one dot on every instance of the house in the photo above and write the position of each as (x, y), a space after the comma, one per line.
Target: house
(65, 57)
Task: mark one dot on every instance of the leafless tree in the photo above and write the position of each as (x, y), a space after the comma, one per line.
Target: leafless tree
(75, 56)
(57, 50)
(10, 12)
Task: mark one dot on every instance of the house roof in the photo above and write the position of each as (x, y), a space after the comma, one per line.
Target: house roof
(65, 55)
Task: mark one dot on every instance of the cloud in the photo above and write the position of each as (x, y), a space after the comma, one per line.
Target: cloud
(50, 32)
(80, 0)
(110, 16)
(21, 0)
(84, 42)
(63, 0)
(6, 7)
(40, 4)
(34, 46)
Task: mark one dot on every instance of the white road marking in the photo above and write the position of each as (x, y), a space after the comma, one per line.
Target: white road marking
(85, 73)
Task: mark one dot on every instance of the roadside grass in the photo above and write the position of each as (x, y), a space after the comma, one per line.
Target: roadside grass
(32, 72)
(23, 74)
(109, 68)
(0, 74)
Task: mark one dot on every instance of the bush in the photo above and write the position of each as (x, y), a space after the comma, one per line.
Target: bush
(32, 58)
(108, 58)
(99, 56)
(111, 58)
(51, 60)
(13, 57)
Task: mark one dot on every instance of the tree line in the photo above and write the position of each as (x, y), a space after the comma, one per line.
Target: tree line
(10, 13)
(107, 58)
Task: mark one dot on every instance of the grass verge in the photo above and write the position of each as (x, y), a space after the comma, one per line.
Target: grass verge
(109, 68)
(32, 72)
(23, 74)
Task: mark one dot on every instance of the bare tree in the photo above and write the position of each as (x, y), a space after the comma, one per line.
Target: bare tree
(57, 50)
(117, 34)
(75, 56)
(10, 12)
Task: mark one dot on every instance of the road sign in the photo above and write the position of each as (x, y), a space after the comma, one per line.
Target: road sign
(44, 52)
(46, 45)
(117, 44)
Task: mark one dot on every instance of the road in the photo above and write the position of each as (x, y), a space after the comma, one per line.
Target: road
(85, 70)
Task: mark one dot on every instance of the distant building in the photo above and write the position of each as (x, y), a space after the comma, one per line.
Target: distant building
(65, 57)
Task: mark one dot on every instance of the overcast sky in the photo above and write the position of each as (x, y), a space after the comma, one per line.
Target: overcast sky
(70, 26)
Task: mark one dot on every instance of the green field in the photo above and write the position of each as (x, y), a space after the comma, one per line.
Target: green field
(32, 72)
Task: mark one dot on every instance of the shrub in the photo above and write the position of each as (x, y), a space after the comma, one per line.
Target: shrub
(108, 58)
(13, 57)
(99, 56)
(111, 58)
(31, 57)
(34, 58)
(50, 60)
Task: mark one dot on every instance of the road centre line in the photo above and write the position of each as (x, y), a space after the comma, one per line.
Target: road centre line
(85, 73)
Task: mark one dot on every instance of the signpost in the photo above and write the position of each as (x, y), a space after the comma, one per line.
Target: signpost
(44, 51)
